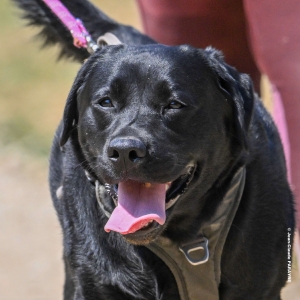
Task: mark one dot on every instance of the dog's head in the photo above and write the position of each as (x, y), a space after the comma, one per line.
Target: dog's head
(155, 123)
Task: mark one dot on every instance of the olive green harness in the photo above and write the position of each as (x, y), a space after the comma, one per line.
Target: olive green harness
(196, 266)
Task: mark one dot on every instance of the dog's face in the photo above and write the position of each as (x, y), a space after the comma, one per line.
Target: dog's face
(155, 122)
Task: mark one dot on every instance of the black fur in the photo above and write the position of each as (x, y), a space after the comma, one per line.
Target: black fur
(220, 126)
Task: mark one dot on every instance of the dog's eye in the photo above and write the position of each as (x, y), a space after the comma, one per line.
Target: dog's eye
(105, 103)
(174, 105)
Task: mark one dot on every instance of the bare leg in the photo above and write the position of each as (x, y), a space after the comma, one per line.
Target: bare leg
(275, 38)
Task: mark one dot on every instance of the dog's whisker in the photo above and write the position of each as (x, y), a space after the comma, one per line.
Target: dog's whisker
(81, 164)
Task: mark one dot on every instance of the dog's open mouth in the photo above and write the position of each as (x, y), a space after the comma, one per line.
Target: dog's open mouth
(139, 205)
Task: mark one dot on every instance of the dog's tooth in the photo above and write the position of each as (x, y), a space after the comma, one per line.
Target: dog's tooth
(148, 223)
(171, 202)
(168, 184)
(145, 225)
(147, 184)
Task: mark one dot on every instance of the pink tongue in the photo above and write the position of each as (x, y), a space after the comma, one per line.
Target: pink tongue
(138, 204)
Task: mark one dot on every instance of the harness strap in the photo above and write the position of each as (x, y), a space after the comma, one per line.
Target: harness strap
(196, 266)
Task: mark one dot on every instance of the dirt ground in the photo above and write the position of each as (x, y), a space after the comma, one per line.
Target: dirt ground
(30, 238)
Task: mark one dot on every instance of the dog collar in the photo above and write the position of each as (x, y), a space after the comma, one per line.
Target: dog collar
(196, 265)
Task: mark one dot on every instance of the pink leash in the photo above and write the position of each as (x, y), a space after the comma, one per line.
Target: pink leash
(81, 37)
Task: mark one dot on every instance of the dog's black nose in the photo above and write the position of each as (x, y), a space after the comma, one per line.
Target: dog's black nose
(127, 149)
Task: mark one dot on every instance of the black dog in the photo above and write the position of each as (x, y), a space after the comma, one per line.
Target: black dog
(164, 135)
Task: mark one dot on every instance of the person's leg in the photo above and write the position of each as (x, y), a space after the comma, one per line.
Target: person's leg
(201, 23)
(275, 38)
(280, 121)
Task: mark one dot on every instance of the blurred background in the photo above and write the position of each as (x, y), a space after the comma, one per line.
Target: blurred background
(33, 89)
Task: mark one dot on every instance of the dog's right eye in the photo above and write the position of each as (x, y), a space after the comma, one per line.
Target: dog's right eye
(106, 103)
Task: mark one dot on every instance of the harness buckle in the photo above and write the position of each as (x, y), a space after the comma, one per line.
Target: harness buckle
(198, 245)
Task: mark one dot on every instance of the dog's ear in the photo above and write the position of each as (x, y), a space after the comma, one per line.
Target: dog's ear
(238, 88)
(70, 116)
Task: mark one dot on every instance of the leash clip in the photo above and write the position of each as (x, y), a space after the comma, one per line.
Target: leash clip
(91, 45)
(198, 245)
(83, 39)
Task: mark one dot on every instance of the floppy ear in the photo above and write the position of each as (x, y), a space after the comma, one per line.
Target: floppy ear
(238, 88)
(70, 116)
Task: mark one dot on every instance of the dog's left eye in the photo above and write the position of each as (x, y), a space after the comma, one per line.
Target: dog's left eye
(105, 103)
(174, 105)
